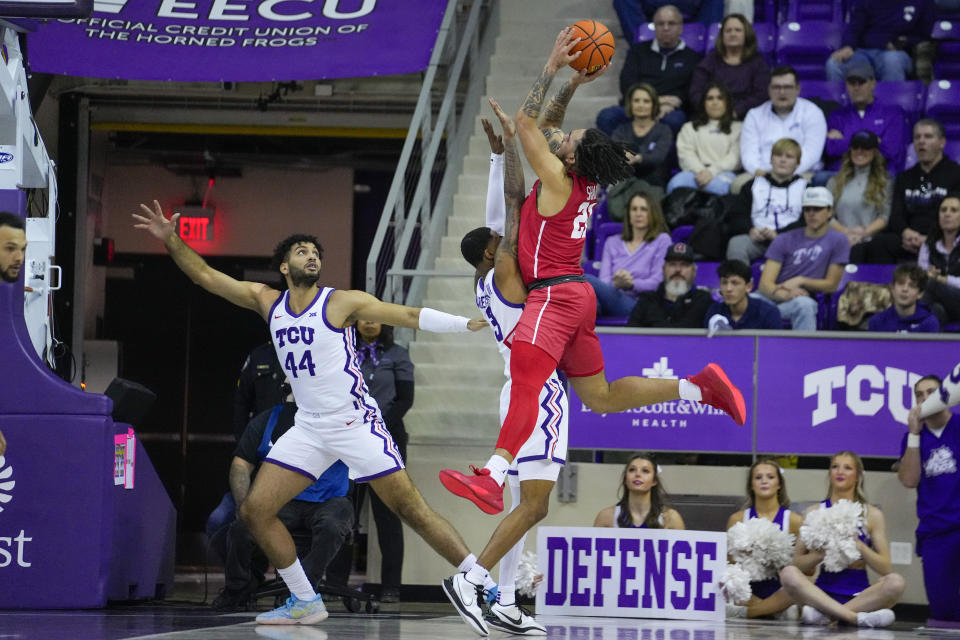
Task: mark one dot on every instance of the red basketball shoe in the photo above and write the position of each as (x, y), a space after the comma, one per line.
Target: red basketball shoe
(479, 488)
(720, 393)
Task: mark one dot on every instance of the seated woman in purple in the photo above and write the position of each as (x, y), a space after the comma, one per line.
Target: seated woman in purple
(633, 261)
(642, 501)
(766, 498)
(847, 595)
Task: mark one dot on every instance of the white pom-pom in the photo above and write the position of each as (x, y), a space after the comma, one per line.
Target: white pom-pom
(834, 530)
(526, 573)
(760, 547)
(735, 584)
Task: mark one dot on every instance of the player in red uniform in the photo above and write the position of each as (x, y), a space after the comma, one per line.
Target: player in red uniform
(556, 330)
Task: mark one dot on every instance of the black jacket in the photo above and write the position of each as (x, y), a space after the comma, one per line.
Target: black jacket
(258, 387)
(653, 310)
(669, 73)
(916, 196)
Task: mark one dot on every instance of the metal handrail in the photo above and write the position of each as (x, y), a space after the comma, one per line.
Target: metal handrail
(405, 218)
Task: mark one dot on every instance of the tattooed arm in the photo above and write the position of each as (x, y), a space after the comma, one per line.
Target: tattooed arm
(506, 273)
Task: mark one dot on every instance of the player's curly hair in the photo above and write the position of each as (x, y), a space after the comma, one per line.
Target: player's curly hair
(282, 252)
(600, 159)
(474, 243)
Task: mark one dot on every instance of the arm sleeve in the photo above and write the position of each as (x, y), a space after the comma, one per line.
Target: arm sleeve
(651, 278)
(814, 135)
(687, 149)
(841, 248)
(897, 205)
(606, 259)
(496, 206)
(750, 144)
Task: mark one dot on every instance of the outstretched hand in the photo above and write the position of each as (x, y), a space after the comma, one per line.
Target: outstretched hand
(560, 56)
(582, 77)
(155, 222)
(509, 126)
(476, 324)
(496, 142)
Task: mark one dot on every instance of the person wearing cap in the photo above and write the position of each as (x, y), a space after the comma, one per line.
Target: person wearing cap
(804, 262)
(888, 122)
(740, 310)
(676, 303)
(862, 192)
(883, 34)
(631, 262)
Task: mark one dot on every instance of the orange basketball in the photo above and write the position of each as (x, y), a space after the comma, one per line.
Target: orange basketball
(596, 45)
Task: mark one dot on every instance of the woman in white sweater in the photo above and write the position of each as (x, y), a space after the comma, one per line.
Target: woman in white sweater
(708, 146)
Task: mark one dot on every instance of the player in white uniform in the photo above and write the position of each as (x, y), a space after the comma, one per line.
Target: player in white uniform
(500, 296)
(312, 329)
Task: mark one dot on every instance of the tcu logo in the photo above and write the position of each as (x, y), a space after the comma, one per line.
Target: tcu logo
(580, 222)
(294, 335)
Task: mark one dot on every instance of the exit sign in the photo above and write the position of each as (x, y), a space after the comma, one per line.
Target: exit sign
(195, 224)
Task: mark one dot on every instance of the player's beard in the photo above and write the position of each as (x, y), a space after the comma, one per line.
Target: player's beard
(301, 278)
(677, 287)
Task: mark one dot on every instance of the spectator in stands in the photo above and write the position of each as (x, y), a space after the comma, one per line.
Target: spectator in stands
(676, 303)
(666, 63)
(736, 63)
(649, 141)
(632, 262)
(784, 115)
(13, 246)
(940, 256)
(862, 192)
(320, 509)
(888, 122)
(916, 195)
(708, 147)
(804, 262)
(907, 314)
(388, 373)
(928, 463)
(642, 502)
(883, 34)
(633, 13)
(740, 310)
(767, 205)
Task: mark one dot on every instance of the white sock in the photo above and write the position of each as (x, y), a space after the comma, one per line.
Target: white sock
(467, 563)
(506, 596)
(489, 584)
(296, 580)
(477, 574)
(690, 391)
(498, 466)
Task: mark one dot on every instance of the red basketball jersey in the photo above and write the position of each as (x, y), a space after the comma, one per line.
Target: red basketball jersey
(552, 247)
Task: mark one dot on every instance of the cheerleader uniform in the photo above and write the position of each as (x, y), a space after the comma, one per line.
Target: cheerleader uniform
(844, 585)
(765, 588)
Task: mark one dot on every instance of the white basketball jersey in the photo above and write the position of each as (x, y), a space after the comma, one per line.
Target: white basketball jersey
(502, 315)
(320, 360)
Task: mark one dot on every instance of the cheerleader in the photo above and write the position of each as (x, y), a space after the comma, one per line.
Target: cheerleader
(642, 500)
(847, 595)
(766, 498)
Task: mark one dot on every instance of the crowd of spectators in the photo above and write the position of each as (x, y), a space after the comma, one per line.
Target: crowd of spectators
(776, 174)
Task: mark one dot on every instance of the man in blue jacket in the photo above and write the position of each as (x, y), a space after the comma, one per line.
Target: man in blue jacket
(907, 314)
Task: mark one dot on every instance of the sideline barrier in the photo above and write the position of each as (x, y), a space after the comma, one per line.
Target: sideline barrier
(631, 573)
(812, 393)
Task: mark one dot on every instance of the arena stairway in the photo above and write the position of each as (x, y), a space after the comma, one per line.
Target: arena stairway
(459, 377)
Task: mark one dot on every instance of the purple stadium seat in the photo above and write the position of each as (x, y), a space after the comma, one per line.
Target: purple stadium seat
(681, 233)
(825, 90)
(826, 10)
(952, 151)
(708, 279)
(943, 103)
(766, 11)
(694, 34)
(806, 45)
(908, 95)
(604, 231)
(947, 35)
(766, 40)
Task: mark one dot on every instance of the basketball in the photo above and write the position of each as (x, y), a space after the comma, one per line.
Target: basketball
(596, 44)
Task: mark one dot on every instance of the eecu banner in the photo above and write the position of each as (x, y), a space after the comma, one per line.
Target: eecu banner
(631, 573)
(240, 40)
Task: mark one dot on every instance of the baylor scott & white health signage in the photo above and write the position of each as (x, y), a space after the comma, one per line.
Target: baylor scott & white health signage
(631, 573)
(240, 40)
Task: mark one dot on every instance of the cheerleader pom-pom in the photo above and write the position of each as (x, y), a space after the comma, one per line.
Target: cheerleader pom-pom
(735, 584)
(527, 573)
(834, 530)
(760, 547)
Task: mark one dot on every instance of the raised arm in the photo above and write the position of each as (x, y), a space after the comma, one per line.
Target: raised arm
(506, 268)
(249, 295)
(346, 307)
(910, 470)
(495, 212)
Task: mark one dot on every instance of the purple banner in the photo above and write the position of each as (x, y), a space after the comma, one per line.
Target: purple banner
(822, 396)
(240, 40)
(668, 426)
